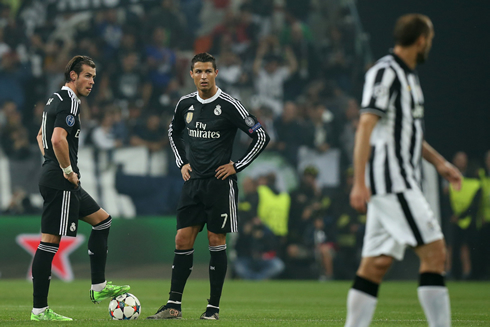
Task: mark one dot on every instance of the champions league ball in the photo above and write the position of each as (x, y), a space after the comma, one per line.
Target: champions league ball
(125, 307)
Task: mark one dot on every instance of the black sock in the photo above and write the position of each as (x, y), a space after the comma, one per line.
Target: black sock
(431, 279)
(217, 273)
(97, 250)
(41, 272)
(181, 270)
(366, 286)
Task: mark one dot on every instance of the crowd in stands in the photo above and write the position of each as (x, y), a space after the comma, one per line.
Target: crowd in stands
(296, 65)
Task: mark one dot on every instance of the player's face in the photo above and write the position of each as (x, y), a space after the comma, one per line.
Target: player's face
(204, 76)
(425, 47)
(84, 82)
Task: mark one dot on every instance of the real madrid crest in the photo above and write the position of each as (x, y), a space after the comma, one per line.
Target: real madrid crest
(188, 117)
(217, 110)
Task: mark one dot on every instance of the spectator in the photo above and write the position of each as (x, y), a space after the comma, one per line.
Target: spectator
(348, 131)
(168, 18)
(20, 204)
(256, 246)
(103, 136)
(151, 135)
(15, 138)
(465, 204)
(230, 73)
(128, 81)
(349, 226)
(160, 59)
(307, 238)
(273, 208)
(484, 232)
(13, 77)
(322, 128)
(290, 133)
(298, 36)
(270, 78)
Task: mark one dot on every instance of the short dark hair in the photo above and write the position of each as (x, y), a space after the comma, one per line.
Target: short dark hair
(203, 57)
(410, 27)
(76, 64)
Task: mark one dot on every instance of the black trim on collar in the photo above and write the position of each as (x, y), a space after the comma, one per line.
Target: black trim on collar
(401, 62)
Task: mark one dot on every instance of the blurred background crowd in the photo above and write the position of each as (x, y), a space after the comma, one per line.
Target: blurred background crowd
(296, 65)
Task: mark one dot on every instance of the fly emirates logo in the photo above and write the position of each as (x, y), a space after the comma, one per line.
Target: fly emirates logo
(202, 133)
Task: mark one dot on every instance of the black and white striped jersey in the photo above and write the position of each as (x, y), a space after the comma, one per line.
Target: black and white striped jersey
(210, 126)
(392, 91)
(61, 110)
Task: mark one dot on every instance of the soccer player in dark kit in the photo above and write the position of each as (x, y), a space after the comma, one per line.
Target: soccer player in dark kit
(210, 118)
(65, 201)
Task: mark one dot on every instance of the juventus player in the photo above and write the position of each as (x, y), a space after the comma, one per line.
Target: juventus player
(210, 118)
(390, 135)
(65, 201)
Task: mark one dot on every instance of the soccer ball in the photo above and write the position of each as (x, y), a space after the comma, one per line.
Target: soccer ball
(125, 307)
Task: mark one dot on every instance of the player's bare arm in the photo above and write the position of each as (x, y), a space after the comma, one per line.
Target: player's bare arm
(60, 147)
(360, 194)
(39, 139)
(224, 171)
(186, 172)
(443, 167)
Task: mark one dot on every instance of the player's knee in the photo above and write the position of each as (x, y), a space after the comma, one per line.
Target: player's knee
(435, 259)
(183, 242)
(216, 239)
(382, 263)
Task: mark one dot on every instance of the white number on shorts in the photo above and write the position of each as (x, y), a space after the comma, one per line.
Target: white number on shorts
(225, 216)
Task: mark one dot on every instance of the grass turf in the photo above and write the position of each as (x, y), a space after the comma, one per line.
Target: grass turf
(271, 303)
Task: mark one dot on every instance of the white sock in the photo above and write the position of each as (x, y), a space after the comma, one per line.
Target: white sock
(98, 287)
(37, 311)
(435, 302)
(360, 308)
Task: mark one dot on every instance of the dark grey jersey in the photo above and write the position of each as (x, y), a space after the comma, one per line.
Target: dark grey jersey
(61, 110)
(210, 126)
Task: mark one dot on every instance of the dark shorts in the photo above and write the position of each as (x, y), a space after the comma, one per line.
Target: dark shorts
(209, 201)
(63, 209)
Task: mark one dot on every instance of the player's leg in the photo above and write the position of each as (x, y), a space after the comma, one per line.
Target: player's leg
(430, 247)
(181, 270)
(91, 213)
(363, 296)
(379, 248)
(221, 203)
(218, 265)
(57, 210)
(432, 292)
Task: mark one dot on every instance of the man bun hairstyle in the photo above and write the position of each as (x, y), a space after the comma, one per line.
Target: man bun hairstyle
(410, 27)
(203, 57)
(75, 64)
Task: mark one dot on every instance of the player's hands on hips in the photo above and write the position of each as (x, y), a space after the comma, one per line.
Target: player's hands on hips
(72, 178)
(224, 171)
(451, 174)
(359, 197)
(186, 172)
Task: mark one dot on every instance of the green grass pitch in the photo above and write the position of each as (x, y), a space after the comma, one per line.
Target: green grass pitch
(270, 303)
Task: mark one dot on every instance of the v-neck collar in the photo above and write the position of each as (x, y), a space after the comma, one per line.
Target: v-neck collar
(211, 99)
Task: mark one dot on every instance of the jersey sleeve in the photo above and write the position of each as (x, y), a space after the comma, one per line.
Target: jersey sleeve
(249, 124)
(175, 136)
(379, 86)
(66, 114)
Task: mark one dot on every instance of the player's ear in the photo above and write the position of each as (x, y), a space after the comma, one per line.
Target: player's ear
(421, 41)
(73, 75)
(216, 72)
(191, 73)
